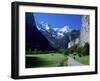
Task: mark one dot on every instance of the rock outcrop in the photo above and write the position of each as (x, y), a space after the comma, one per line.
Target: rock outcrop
(76, 41)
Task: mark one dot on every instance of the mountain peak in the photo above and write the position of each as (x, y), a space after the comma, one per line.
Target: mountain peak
(57, 32)
(65, 29)
(55, 29)
(45, 25)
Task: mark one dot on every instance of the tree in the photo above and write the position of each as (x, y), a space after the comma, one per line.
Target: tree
(35, 51)
(67, 51)
(85, 50)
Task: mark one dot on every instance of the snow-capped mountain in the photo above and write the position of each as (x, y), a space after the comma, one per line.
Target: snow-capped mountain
(56, 32)
(43, 26)
(58, 37)
(46, 29)
(63, 30)
(55, 29)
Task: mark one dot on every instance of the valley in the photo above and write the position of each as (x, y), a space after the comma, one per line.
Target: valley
(48, 46)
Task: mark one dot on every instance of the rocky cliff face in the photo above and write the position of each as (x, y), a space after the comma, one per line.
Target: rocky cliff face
(84, 32)
(76, 41)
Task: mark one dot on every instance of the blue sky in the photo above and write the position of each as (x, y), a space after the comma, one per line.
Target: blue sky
(59, 20)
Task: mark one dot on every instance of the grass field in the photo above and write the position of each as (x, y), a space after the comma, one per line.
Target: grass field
(83, 59)
(45, 60)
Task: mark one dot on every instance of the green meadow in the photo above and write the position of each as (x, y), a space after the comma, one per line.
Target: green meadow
(45, 60)
(83, 59)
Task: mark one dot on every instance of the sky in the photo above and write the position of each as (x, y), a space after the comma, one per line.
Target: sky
(59, 20)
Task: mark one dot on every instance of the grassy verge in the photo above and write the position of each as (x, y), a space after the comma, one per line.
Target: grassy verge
(83, 59)
(45, 60)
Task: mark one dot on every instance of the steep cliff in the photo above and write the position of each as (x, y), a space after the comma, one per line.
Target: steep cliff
(76, 41)
(34, 38)
(84, 32)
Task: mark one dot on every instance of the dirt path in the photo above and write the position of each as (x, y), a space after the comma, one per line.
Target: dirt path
(72, 62)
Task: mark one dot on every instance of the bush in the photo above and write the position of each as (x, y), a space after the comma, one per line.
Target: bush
(72, 49)
(85, 50)
(76, 49)
(67, 52)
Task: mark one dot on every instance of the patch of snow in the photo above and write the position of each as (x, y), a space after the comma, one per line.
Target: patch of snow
(55, 29)
(60, 34)
(65, 29)
(47, 27)
(38, 27)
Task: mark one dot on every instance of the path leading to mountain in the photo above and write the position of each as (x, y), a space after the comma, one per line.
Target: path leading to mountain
(72, 62)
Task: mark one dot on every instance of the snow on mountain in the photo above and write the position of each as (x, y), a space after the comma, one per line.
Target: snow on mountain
(65, 29)
(58, 37)
(55, 32)
(45, 25)
(55, 29)
(60, 34)
(38, 27)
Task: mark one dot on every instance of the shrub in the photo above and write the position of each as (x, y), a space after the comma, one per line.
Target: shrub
(67, 52)
(78, 50)
(85, 50)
